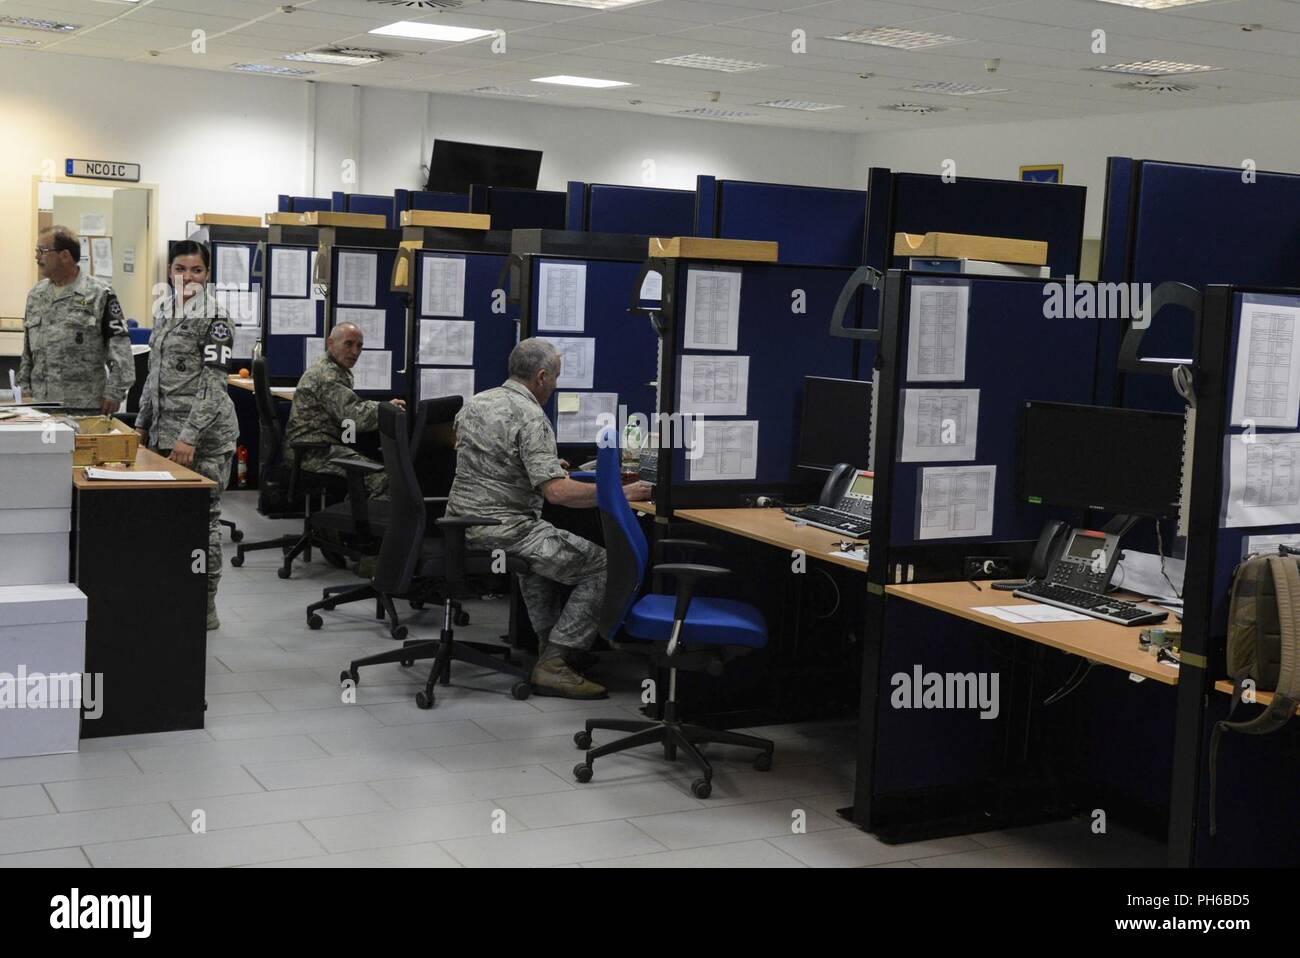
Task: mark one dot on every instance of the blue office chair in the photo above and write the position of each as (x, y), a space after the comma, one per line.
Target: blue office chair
(682, 631)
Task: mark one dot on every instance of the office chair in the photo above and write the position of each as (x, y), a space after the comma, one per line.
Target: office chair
(284, 490)
(364, 522)
(683, 631)
(411, 563)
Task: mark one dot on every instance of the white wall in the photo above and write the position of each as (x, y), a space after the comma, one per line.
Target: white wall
(1267, 133)
(225, 143)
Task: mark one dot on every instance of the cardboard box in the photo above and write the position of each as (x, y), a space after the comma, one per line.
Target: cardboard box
(466, 221)
(39, 538)
(43, 640)
(102, 439)
(227, 219)
(703, 247)
(36, 464)
(996, 249)
(362, 220)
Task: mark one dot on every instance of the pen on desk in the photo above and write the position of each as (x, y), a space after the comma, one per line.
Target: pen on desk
(978, 587)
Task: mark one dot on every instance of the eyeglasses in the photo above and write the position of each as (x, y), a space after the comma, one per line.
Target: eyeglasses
(42, 250)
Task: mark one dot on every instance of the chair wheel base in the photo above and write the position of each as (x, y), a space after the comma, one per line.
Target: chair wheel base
(701, 788)
(461, 618)
(763, 762)
(349, 675)
(521, 690)
(314, 621)
(582, 740)
(236, 536)
(237, 561)
(407, 663)
(399, 633)
(282, 572)
(424, 700)
(582, 772)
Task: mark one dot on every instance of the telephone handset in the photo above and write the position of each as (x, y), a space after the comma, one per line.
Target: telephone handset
(848, 489)
(1051, 543)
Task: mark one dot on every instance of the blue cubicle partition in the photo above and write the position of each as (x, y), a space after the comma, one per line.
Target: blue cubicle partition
(429, 200)
(303, 204)
(1195, 225)
(642, 210)
(494, 325)
(811, 225)
(384, 206)
(782, 328)
(625, 345)
(1257, 776)
(373, 302)
(518, 209)
(284, 344)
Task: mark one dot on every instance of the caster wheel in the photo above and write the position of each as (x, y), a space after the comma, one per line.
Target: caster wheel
(349, 675)
(407, 663)
(582, 772)
(236, 561)
(521, 690)
(314, 621)
(461, 618)
(282, 572)
(424, 700)
(399, 633)
(236, 536)
(582, 740)
(701, 788)
(763, 763)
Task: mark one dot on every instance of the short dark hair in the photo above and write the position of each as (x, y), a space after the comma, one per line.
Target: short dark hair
(189, 248)
(62, 238)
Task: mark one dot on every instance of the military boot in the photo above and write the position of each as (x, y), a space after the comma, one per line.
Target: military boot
(575, 658)
(213, 621)
(552, 675)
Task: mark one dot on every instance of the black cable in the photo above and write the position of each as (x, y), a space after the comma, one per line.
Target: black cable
(1160, 549)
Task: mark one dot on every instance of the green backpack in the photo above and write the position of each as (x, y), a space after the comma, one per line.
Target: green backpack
(1263, 646)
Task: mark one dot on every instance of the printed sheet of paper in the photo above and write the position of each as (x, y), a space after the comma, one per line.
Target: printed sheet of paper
(129, 475)
(956, 501)
(317, 289)
(562, 297)
(357, 279)
(1267, 545)
(373, 371)
(1263, 480)
(232, 270)
(940, 425)
(371, 322)
(712, 309)
(578, 361)
(446, 382)
(242, 307)
(581, 424)
(446, 342)
(936, 350)
(1266, 387)
(293, 317)
(91, 224)
(1023, 614)
(715, 385)
(289, 275)
(442, 286)
(101, 255)
(313, 349)
(246, 338)
(652, 287)
(725, 449)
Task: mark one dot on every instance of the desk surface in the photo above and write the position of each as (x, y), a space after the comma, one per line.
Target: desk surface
(1105, 642)
(145, 461)
(279, 392)
(772, 527)
(645, 508)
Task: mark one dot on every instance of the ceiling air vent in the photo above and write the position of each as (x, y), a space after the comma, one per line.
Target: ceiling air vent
(1156, 85)
(921, 108)
(428, 4)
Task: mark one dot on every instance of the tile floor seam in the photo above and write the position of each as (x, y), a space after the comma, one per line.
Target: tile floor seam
(767, 840)
(646, 834)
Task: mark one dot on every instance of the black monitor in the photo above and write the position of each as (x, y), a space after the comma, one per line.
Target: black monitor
(836, 423)
(455, 167)
(1126, 461)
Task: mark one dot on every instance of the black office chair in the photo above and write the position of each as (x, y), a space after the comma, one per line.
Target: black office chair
(284, 489)
(412, 563)
(680, 631)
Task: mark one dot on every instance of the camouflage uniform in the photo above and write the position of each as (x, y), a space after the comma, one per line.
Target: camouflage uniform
(185, 398)
(70, 333)
(505, 452)
(321, 402)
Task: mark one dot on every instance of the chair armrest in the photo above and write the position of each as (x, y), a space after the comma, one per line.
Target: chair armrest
(299, 446)
(359, 465)
(464, 522)
(455, 527)
(688, 576)
(663, 544)
(431, 499)
(295, 467)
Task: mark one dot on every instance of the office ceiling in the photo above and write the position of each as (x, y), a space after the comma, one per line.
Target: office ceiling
(1046, 69)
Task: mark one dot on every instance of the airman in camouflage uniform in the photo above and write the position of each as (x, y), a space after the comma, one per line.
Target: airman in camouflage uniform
(73, 328)
(507, 466)
(325, 409)
(185, 409)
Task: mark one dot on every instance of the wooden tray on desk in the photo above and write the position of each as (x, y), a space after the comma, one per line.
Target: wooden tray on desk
(146, 460)
(103, 439)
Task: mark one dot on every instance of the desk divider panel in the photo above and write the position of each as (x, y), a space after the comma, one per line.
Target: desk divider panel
(360, 291)
(780, 346)
(643, 210)
(1258, 776)
(384, 206)
(429, 200)
(623, 349)
(286, 329)
(303, 204)
(494, 333)
(518, 209)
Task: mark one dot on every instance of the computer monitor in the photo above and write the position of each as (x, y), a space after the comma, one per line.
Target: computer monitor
(455, 167)
(1126, 461)
(836, 423)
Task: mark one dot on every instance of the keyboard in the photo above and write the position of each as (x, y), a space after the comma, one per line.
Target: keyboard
(1090, 603)
(848, 524)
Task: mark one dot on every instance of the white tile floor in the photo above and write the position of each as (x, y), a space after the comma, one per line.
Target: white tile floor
(287, 774)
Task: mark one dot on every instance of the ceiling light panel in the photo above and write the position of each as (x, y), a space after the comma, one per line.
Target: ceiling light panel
(508, 91)
(594, 83)
(702, 61)
(954, 89)
(32, 23)
(272, 70)
(437, 32)
(1154, 4)
(897, 37)
(591, 4)
(1155, 68)
(808, 105)
(333, 58)
(19, 42)
(713, 114)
